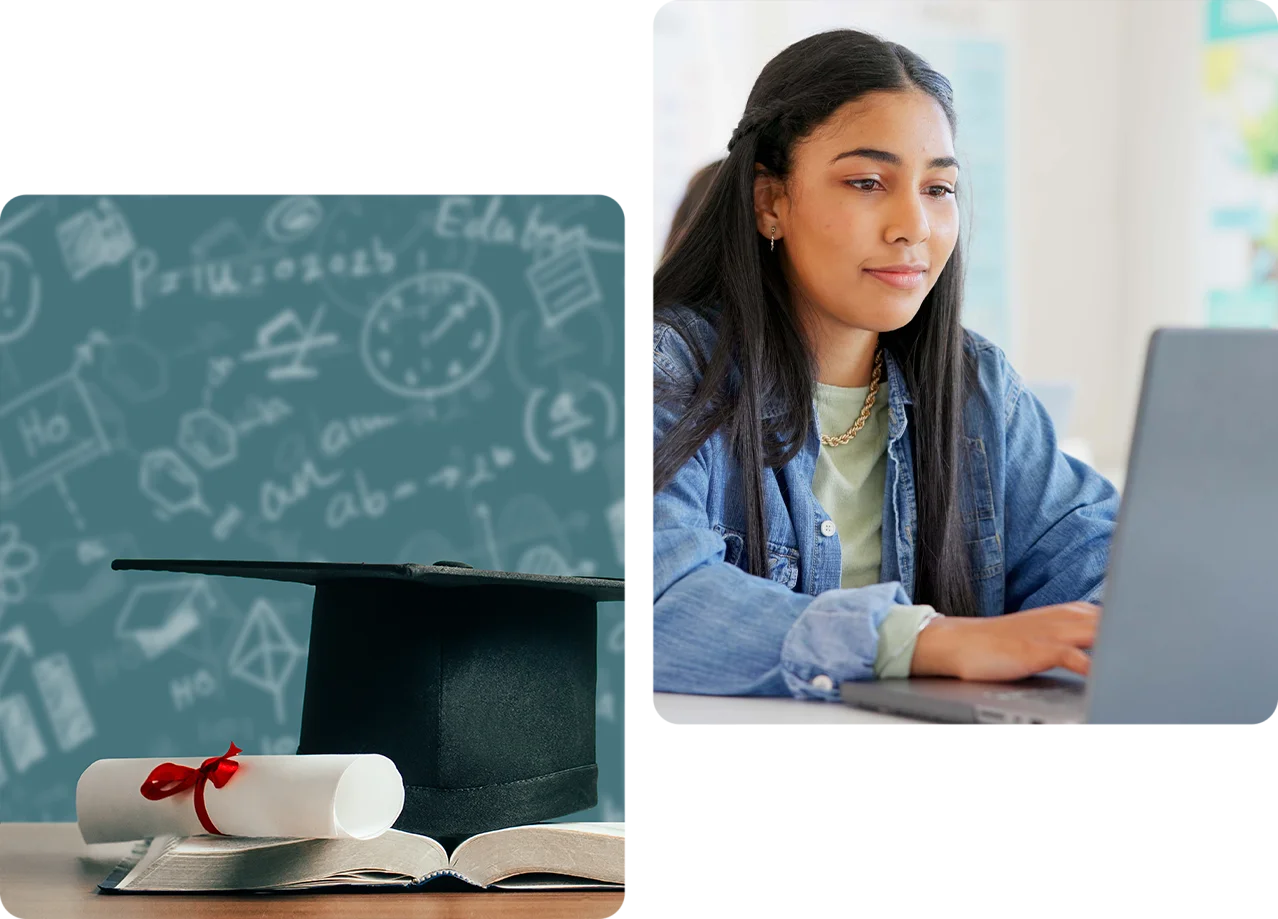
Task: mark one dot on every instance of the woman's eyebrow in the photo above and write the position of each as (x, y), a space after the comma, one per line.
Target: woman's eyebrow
(882, 155)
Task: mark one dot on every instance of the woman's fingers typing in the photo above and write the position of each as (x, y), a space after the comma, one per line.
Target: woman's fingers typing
(1075, 660)
(1012, 646)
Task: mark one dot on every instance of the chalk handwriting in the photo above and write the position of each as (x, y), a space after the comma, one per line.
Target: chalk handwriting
(187, 689)
(345, 506)
(339, 435)
(474, 470)
(458, 218)
(569, 424)
(247, 274)
(275, 499)
(448, 477)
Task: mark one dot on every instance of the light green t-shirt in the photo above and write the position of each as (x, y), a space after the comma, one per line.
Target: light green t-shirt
(849, 483)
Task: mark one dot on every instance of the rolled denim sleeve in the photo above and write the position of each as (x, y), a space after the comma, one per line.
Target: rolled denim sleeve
(897, 638)
(1060, 513)
(718, 630)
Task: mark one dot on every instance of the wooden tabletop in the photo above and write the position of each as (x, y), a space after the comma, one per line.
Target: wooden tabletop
(46, 869)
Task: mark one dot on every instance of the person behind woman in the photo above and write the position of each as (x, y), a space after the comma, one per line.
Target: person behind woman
(692, 198)
(848, 483)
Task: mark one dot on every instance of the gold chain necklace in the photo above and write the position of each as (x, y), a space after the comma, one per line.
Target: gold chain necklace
(851, 432)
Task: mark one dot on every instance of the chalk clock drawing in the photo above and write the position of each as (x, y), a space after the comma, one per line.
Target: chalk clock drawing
(431, 334)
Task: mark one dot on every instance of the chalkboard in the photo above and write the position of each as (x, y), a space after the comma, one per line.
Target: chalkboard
(380, 379)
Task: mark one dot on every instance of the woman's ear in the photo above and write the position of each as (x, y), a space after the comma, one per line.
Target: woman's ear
(769, 203)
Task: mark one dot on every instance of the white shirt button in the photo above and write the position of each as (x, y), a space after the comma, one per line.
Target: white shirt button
(822, 682)
(827, 528)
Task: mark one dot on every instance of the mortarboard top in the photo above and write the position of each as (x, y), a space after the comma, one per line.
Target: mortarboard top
(479, 685)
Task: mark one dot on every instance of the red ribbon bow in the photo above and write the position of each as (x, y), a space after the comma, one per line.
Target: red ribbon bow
(169, 778)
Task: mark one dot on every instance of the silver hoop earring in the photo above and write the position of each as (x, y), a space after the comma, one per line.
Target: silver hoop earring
(773, 243)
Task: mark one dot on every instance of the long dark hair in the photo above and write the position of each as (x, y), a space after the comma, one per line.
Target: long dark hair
(757, 384)
(692, 198)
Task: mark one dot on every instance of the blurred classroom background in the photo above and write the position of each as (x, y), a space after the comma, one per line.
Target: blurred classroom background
(1120, 161)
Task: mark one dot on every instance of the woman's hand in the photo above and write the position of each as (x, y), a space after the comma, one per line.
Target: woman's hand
(1007, 647)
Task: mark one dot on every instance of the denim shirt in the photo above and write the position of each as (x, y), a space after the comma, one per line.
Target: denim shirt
(1038, 524)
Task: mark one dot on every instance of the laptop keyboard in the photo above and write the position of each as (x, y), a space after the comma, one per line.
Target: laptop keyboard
(1053, 695)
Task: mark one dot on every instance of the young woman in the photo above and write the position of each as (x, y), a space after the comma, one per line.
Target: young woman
(849, 484)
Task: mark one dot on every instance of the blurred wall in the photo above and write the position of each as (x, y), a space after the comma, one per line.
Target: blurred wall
(1106, 198)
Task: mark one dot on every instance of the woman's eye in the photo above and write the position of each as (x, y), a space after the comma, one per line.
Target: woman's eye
(856, 183)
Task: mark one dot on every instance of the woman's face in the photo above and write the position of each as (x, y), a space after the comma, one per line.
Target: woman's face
(842, 213)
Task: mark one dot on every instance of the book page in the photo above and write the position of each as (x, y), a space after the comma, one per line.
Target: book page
(252, 863)
(594, 851)
(553, 882)
(137, 862)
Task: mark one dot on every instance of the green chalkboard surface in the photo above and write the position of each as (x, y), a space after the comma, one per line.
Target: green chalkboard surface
(374, 379)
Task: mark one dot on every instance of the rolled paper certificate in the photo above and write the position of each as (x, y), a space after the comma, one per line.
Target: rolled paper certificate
(335, 796)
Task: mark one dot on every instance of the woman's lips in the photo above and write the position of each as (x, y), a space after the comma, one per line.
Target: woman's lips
(901, 280)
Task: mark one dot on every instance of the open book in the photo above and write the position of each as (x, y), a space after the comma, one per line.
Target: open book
(545, 855)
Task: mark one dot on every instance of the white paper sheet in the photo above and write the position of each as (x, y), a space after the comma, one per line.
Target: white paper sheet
(336, 796)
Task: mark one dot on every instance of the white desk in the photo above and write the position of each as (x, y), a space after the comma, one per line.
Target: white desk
(688, 709)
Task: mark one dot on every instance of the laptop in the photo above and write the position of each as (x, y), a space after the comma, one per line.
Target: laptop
(1189, 628)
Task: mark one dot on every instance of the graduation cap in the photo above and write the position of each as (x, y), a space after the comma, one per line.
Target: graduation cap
(479, 685)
